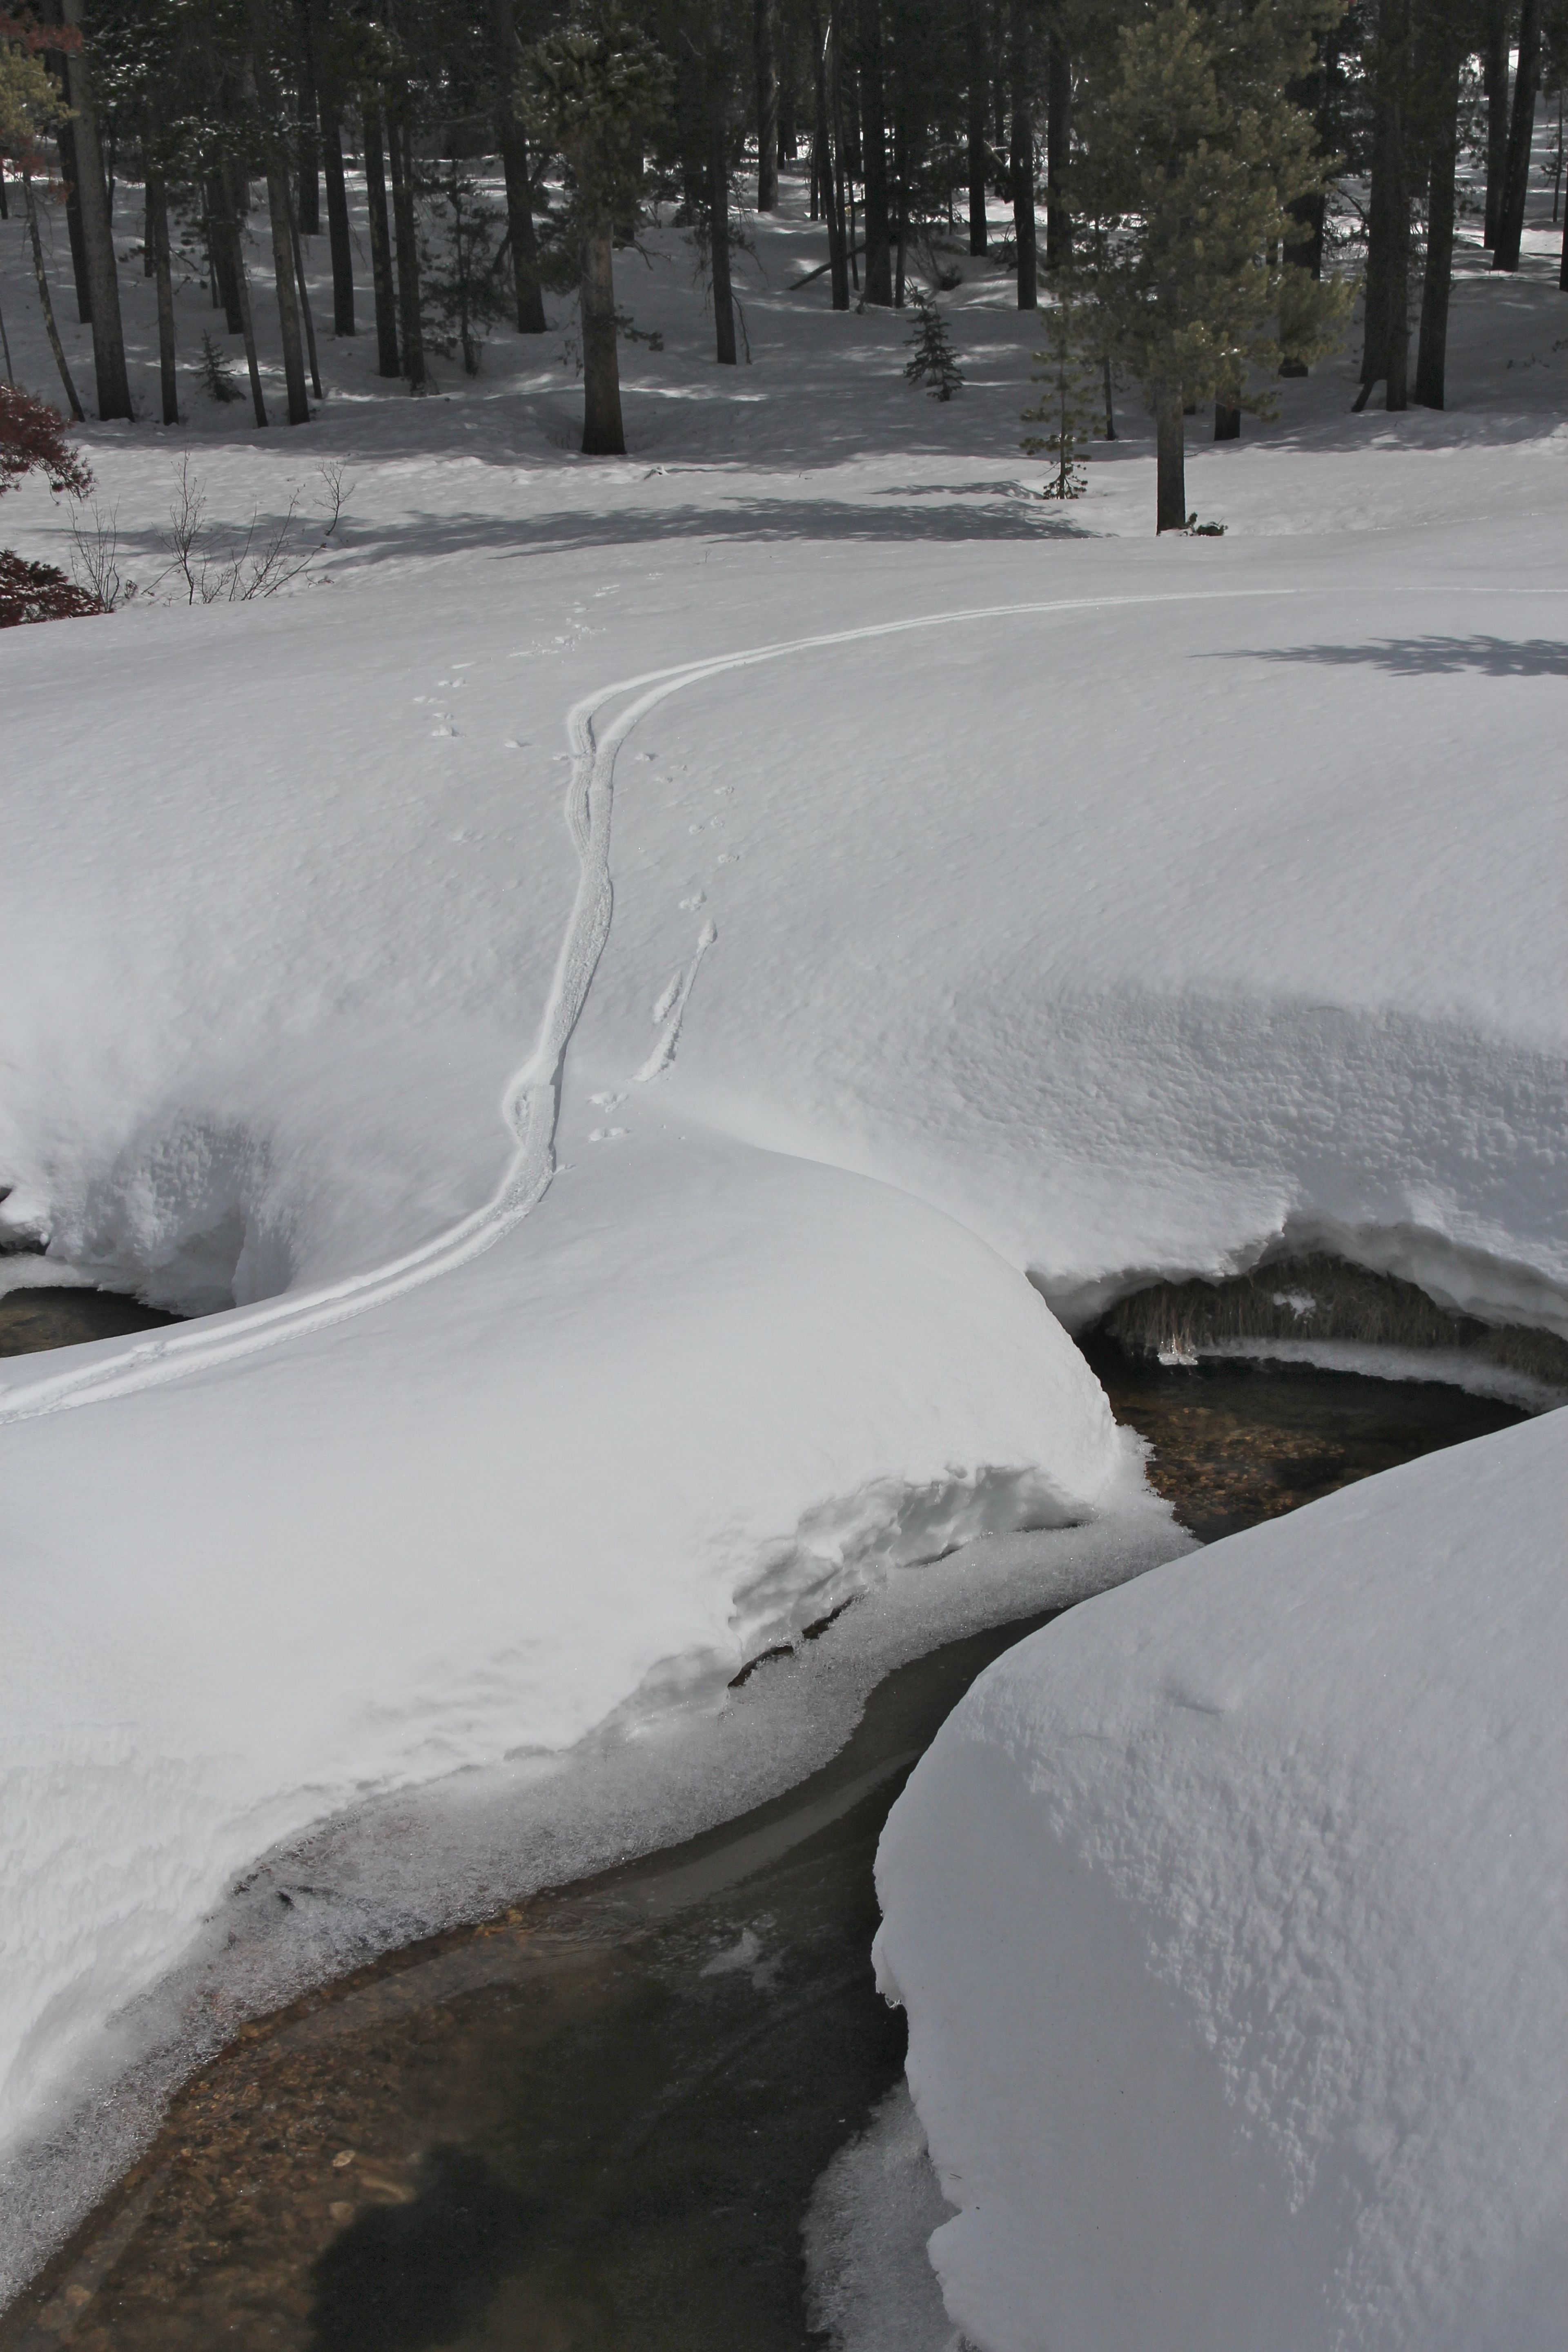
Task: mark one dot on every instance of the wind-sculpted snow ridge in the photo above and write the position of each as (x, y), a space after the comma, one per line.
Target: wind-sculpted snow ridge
(532, 1102)
(1229, 1913)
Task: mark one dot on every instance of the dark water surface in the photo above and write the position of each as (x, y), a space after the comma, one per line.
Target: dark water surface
(593, 2124)
(33, 1319)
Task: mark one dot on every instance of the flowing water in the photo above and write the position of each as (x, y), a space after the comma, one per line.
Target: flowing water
(593, 2123)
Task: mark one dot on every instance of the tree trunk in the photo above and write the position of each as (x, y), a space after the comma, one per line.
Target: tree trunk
(219, 206)
(1021, 159)
(309, 213)
(98, 238)
(287, 304)
(1227, 422)
(158, 223)
(979, 93)
(838, 261)
(1521, 136)
(44, 304)
(1171, 473)
(604, 435)
(230, 237)
(1059, 132)
(338, 235)
(66, 144)
(1494, 79)
(387, 361)
(719, 227)
(1387, 332)
(400, 155)
(767, 74)
(528, 296)
(306, 313)
(874, 157)
(1431, 352)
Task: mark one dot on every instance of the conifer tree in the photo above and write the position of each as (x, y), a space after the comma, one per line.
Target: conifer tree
(1192, 151)
(933, 361)
(596, 94)
(1068, 374)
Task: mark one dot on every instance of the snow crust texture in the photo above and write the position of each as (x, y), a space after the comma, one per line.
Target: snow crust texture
(1229, 1915)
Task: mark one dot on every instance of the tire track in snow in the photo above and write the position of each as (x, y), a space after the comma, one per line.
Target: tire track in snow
(531, 1102)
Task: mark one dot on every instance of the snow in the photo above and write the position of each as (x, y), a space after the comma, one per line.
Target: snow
(605, 999)
(1228, 1912)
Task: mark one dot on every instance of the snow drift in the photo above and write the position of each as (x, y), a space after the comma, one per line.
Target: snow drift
(1229, 1916)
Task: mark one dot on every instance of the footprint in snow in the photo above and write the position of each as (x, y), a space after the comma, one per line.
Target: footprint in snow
(605, 1134)
(607, 1101)
(661, 1010)
(689, 906)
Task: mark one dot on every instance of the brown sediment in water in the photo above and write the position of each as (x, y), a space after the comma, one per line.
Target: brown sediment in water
(42, 1316)
(592, 2124)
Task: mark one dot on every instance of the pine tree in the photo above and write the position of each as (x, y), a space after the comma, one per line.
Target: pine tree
(1192, 153)
(462, 280)
(217, 376)
(1069, 402)
(933, 361)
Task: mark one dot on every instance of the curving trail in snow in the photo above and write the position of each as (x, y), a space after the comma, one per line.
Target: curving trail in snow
(531, 1098)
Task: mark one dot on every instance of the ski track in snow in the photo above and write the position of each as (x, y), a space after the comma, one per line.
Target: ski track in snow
(531, 1100)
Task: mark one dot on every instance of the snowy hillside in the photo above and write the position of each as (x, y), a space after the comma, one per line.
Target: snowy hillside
(621, 985)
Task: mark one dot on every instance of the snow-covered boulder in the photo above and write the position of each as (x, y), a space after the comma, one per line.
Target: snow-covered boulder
(1228, 1914)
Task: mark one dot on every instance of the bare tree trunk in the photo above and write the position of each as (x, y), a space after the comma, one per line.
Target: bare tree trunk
(1432, 351)
(387, 361)
(718, 227)
(979, 70)
(309, 216)
(1171, 465)
(158, 223)
(1021, 158)
(527, 293)
(229, 234)
(604, 435)
(339, 239)
(874, 157)
(219, 206)
(1521, 136)
(1494, 79)
(1384, 352)
(66, 144)
(1059, 132)
(1227, 422)
(98, 238)
(838, 261)
(287, 305)
(765, 58)
(400, 154)
(306, 313)
(45, 303)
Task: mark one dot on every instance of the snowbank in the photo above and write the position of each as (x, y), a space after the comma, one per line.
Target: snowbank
(1229, 1913)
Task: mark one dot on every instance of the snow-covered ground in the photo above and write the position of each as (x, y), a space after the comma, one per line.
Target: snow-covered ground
(621, 981)
(1230, 1916)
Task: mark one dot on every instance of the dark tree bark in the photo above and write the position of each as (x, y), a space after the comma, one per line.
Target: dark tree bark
(1058, 134)
(287, 303)
(66, 144)
(309, 213)
(382, 280)
(45, 304)
(306, 314)
(979, 68)
(528, 295)
(838, 261)
(1494, 80)
(410, 324)
(219, 204)
(339, 239)
(228, 237)
(604, 435)
(718, 227)
(98, 238)
(765, 63)
(873, 156)
(1432, 351)
(158, 226)
(1021, 157)
(1386, 350)
(1520, 135)
(1227, 422)
(1171, 465)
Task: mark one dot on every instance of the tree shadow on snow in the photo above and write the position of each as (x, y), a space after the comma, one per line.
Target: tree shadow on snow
(1424, 656)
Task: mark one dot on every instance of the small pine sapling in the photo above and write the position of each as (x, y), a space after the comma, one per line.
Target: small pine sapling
(1067, 403)
(933, 361)
(216, 377)
(462, 280)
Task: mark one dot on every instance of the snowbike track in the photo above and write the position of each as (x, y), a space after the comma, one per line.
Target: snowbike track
(532, 1097)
